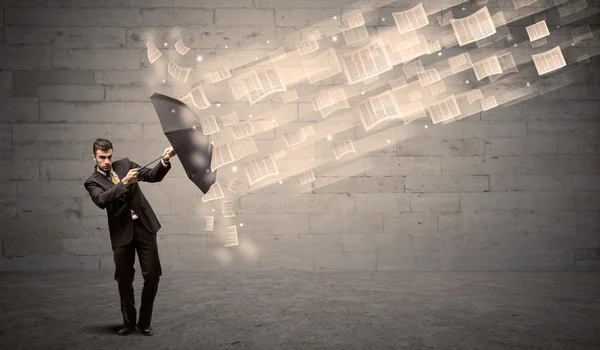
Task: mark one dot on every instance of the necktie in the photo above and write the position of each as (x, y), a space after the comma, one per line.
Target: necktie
(115, 181)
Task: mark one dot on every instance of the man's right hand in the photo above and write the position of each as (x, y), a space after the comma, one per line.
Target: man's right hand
(131, 177)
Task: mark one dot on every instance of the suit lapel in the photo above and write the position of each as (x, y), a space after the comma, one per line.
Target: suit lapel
(105, 179)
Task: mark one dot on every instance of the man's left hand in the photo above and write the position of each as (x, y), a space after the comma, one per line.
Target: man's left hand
(168, 153)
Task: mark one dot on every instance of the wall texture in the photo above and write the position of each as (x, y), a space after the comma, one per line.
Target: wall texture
(513, 188)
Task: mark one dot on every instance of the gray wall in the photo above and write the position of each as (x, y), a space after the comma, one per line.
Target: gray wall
(513, 188)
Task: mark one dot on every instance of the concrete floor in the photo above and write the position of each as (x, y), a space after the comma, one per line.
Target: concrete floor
(308, 310)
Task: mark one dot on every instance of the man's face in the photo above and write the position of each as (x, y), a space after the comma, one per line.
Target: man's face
(104, 159)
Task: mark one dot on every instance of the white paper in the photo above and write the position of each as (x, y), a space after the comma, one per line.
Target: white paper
(432, 46)
(412, 112)
(322, 67)
(444, 110)
(215, 192)
(215, 75)
(397, 83)
(260, 169)
(488, 103)
(354, 20)
(437, 88)
(412, 69)
(460, 63)
(410, 20)
(231, 236)
(474, 95)
(298, 136)
(377, 109)
(261, 84)
(474, 27)
(209, 125)
(178, 72)
(234, 184)
(197, 97)
(307, 177)
(277, 55)
(227, 209)
(537, 31)
(366, 62)
(308, 45)
(354, 35)
(549, 61)
(229, 119)
(209, 223)
(487, 67)
(153, 52)
(181, 48)
(329, 101)
(449, 40)
(522, 3)
(429, 77)
(342, 148)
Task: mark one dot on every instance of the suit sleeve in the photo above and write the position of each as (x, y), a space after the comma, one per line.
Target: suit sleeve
(101, 197)
(155, 174)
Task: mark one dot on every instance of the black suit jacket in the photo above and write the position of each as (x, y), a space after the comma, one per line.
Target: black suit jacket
(119, 199)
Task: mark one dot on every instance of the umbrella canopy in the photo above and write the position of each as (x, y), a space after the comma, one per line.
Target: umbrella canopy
(182, 128)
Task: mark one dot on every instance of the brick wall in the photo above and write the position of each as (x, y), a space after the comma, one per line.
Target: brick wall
(513, 188)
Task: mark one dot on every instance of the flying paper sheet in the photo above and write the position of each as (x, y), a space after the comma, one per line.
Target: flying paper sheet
(522, 3)
(460, 63)
(487, 67)
(322, 67)
(261, 84)
(474, 27)
(260, 169)
(307, 177)
(181, 48)
(216, 75)
(367, 62)
(299, 136)
(209, 223)
(444, 110)
(488, 103)
(378, 109)
(342, 148)
(178, 72)
(410, 20)
(215, 192)
(234, 184)
(354, 35)
(308, 45)
(231, 236)
(537, 31)
(153, 52)
(549, 61)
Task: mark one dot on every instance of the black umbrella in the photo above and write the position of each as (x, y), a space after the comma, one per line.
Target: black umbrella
(182, 127)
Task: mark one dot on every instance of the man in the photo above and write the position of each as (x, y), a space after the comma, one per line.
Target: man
(132, 225)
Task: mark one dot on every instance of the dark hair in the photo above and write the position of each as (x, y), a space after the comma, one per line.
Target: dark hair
(102, 144)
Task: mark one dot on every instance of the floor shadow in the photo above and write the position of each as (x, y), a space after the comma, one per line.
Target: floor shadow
(105, 329)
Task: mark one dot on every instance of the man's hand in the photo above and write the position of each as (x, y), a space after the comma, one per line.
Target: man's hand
(168, 153)
(131, 177)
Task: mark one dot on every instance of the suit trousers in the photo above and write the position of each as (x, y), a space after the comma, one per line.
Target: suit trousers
(144, 242)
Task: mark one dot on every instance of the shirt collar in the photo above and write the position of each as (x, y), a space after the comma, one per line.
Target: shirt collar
(102, 171)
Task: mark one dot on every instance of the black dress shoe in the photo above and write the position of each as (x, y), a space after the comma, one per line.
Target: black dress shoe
(147, 331)
(126, 330)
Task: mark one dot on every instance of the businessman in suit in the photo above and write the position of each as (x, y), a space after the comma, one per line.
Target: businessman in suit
(132, 225)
